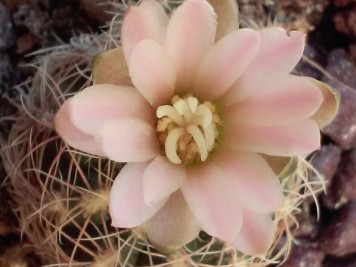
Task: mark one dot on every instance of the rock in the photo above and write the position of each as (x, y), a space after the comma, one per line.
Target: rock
(31, 18)
(343, 128)
(343, 187)
(25, 43)
(7, 32)
(97, 10)
(326, 160)
(304, 68)
(6, 216)
(343, 79)
(345, 21)
(352, 49)
(343, 3)
(308, 224)
(341, 67)
(19, 255)
(304, 254)
(344, 262)
(5, 69)
(11, 5)
(254, 11)
(339, 237)
(301, 15)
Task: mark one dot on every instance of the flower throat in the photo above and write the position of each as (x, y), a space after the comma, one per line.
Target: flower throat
(187, 129)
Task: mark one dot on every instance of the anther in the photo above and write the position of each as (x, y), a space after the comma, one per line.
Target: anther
(170, 112)
(187, 129)
(199, 140)
(171, 145)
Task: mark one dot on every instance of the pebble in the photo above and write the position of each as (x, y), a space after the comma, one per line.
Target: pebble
(308, 224)
(343, 187)
(343, 3)
(341, 66)
(339, 237)
(7, 32)
(97, 10)
(337, 262)
(325, 161)
(304, 68)
(343, 129)
(345, 21)
(304, 254)
(4, 72)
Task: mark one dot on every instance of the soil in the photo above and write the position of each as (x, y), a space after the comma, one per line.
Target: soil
(28, 25)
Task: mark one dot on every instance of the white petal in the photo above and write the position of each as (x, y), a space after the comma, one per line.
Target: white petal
(127, 206)
(161, 179)
(213, 201)
(173, 225)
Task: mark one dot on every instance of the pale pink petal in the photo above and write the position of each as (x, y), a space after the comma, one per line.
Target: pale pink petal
(152, 72)
(173, 225)
(147, 21)
(127, 207)
(291, 100)
(190, 33)
(225, 62)
(256, 185)
(96, 104)
(72, 135)
(256, 235)
(279, 53)
(162, 178)
(128, 140)
(213, 201)
(288, 140)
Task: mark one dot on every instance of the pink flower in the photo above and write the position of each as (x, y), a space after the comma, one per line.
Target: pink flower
(204, 114)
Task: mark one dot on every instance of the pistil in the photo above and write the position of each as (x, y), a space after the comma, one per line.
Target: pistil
(186, 129)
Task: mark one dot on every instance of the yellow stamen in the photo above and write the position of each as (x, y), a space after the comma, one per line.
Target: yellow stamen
(187, 129)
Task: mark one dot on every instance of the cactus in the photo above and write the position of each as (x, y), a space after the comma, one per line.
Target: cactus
(61, 195)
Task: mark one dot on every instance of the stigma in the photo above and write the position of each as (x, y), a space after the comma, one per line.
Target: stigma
(187, 129)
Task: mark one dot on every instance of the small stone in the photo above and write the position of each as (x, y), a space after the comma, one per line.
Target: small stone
(31, 17)
(343, 262)
(342, 130)
(341, 67)
(343, 72)
(19, 255)
(339, 237)
(7, 32)
(343, 187)
(5, 68)
(304, 254)
(325, 161)
(25, 43)
(343, 3)
(343, 79)
(97, 10)
(345, 21)
(308, 223)
(6, 217)
(352, 49)
(302, 15)
(251, 11)
(304, 68)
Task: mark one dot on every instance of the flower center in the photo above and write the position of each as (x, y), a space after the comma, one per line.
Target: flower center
(187, 130)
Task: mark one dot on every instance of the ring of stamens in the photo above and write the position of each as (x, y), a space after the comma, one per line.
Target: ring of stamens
(187, 129)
